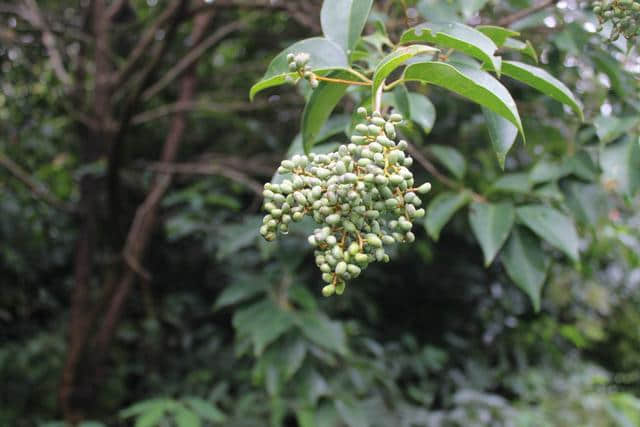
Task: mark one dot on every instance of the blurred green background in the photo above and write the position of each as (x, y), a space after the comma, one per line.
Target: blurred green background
(134, 286)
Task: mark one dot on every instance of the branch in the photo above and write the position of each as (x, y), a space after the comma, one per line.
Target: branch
(144, 220)
(191, 57)
(38, 189)
(433, 170)
(208, 169)
(196, 106)
(32, 14)
(299, 11)
(147, 38)
(521, 14)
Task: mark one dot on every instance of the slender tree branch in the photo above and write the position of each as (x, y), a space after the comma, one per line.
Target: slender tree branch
(115, 8)
(197, 106)
(145, 217)
(33, 15)
(191, 57)
(521, 14)
(209, 169)
(431, 168)
(147, 38)
(131, 103)
(38, 189)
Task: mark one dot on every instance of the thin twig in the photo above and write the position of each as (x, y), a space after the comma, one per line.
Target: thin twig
(38, 189)
(433, 170)
(343, 82)
(207, 169)
(196, 106)
(32, 14)
(147, 38)
(521, 14)
(191, 57)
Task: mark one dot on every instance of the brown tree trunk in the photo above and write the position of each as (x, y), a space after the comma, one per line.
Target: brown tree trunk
(84, 367)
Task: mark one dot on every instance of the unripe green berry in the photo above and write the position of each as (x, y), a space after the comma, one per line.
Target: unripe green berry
(328, 290)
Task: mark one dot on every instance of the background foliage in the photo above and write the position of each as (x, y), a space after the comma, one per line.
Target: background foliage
(135, 288)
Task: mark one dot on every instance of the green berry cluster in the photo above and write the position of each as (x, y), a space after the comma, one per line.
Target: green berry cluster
(362, 196)
(299, 63)
(623, 14)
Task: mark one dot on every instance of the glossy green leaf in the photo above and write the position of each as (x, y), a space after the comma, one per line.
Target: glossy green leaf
(185, 417)
(450, 158)
(621, 166)
(526, 48)
(422, 111)
(512, 183)
(342, 21)
(239, 291)
(145, 406)
(499, 35)
(476, 85)
(545, 171)
(323, 331)
(324, 54)
(321, 103)
(352, 413)
(526, 263)
(263, 322)
(206, 410)
(553, 226)
(392, 61)
(442, 208)
(456, 36)
(502, 133)
(491, 224)
(544, 82)
(151, 417)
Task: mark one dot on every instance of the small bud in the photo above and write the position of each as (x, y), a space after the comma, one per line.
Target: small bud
(424, 188)
(328, 290)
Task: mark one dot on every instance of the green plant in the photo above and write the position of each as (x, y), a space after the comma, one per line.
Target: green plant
(362, 195)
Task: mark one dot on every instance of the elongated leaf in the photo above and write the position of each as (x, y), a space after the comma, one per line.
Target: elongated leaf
(393, 61)
(457, 36)
(451, 159)
(324, 54)
(422, 111)
(150, 418)
(441, 209)
(319, 107)
(545, 171)
(502, 134)
(512, 183)
(243, 289)
(551, 225)
(476, 85)
(352, 414)
(145, 406)
(526, 263)
(491, 224)
(318, 328)
(343, 21)
(187, 418)
(525, 48)
(263, 322)
(499, 35)
(206, 410)
(544, 82)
